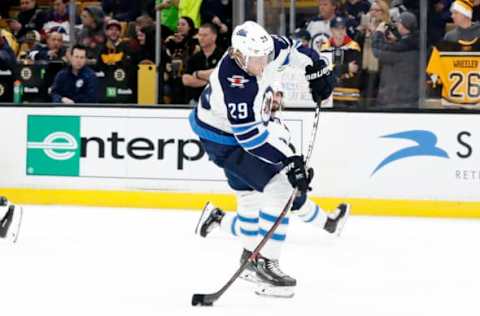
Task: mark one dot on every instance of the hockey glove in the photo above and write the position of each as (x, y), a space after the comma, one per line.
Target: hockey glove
(298, 176)
(321, 80)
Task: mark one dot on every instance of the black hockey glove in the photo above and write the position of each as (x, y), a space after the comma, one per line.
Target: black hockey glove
(321, 80)
(298, 176)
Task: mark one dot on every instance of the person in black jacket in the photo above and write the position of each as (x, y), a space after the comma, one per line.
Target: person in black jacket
(77, 83)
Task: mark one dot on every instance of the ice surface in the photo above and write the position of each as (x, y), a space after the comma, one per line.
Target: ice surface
(98, 261)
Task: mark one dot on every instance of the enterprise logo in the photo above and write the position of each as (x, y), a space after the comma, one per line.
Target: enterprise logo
(57, 146)
(426, 142)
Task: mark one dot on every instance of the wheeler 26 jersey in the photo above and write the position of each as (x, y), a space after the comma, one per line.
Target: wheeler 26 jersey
(235, 107)
(457, 67)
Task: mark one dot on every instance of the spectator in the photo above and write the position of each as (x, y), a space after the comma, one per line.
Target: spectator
(115, 50)
(399, 60)
(7, 56)
(179, 48)
(77, 83)
(219, 13)
(303, 36)
(58, 18)
(191, 9)
(53, 51)
(144, 52)
(31, 39)
(438, 17)
(201, 64)
(30, 18)
(355, 9)
(142, 22)
(122, 10)
(169, 16)
(465, 29)
(11, 40)
(319, 27)
(379, 13)
(347, 59)
(91, 33)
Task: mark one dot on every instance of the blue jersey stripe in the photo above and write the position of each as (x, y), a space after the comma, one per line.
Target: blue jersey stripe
(272, 218)
(210, 134)
(258, 140)
(277, 237)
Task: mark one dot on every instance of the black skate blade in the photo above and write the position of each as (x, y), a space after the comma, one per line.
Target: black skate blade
(203, 299)
(204, 211)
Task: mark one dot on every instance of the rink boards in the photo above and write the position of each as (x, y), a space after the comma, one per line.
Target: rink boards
(383, 163)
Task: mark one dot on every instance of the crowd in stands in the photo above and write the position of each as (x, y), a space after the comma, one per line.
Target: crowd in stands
(194, 36)
(374, 44)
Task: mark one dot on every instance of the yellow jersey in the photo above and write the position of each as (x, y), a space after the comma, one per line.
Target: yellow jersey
(456, 66)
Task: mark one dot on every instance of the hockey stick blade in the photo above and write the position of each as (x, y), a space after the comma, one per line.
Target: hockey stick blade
(203, 299)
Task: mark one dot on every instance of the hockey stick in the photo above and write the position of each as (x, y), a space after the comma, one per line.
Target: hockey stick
(208, 299)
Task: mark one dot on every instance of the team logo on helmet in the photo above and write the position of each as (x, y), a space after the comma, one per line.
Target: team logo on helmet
(242, 32)
(26, 73)
(2, 89)
(237, 81)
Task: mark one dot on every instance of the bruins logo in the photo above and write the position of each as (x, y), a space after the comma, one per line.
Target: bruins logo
(2, 90)
(119, 74)
(26, 73)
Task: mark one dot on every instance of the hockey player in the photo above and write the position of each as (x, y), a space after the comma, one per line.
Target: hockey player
(231, 120)
(333, 223)
(303, 208)
(10, 219)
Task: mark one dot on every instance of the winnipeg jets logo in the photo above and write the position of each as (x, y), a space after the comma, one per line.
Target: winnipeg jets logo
(266, 111)
(237, 81)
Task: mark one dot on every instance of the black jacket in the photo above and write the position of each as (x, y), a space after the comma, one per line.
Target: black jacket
(81, 88)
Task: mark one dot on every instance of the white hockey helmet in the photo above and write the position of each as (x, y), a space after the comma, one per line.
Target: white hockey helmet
(252, 45)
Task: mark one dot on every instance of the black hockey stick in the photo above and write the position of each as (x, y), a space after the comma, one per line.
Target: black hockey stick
(208, 299)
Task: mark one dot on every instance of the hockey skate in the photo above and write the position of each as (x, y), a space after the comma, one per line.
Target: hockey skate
(11, 220)
(337, 219)
(273, 281)
(209, 219)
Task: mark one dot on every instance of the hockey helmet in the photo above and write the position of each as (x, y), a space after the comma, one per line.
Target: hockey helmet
(252, 47)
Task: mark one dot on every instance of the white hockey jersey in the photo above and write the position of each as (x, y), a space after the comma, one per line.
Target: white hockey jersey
(235, 108)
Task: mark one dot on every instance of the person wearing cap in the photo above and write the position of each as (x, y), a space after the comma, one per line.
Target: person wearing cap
(116, 49)
(465, 30)
(347, 58)
(399, 60)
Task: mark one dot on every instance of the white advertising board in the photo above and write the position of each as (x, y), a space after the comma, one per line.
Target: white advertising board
(358, 155)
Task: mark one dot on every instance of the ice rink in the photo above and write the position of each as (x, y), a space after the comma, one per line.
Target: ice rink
(97, 261)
